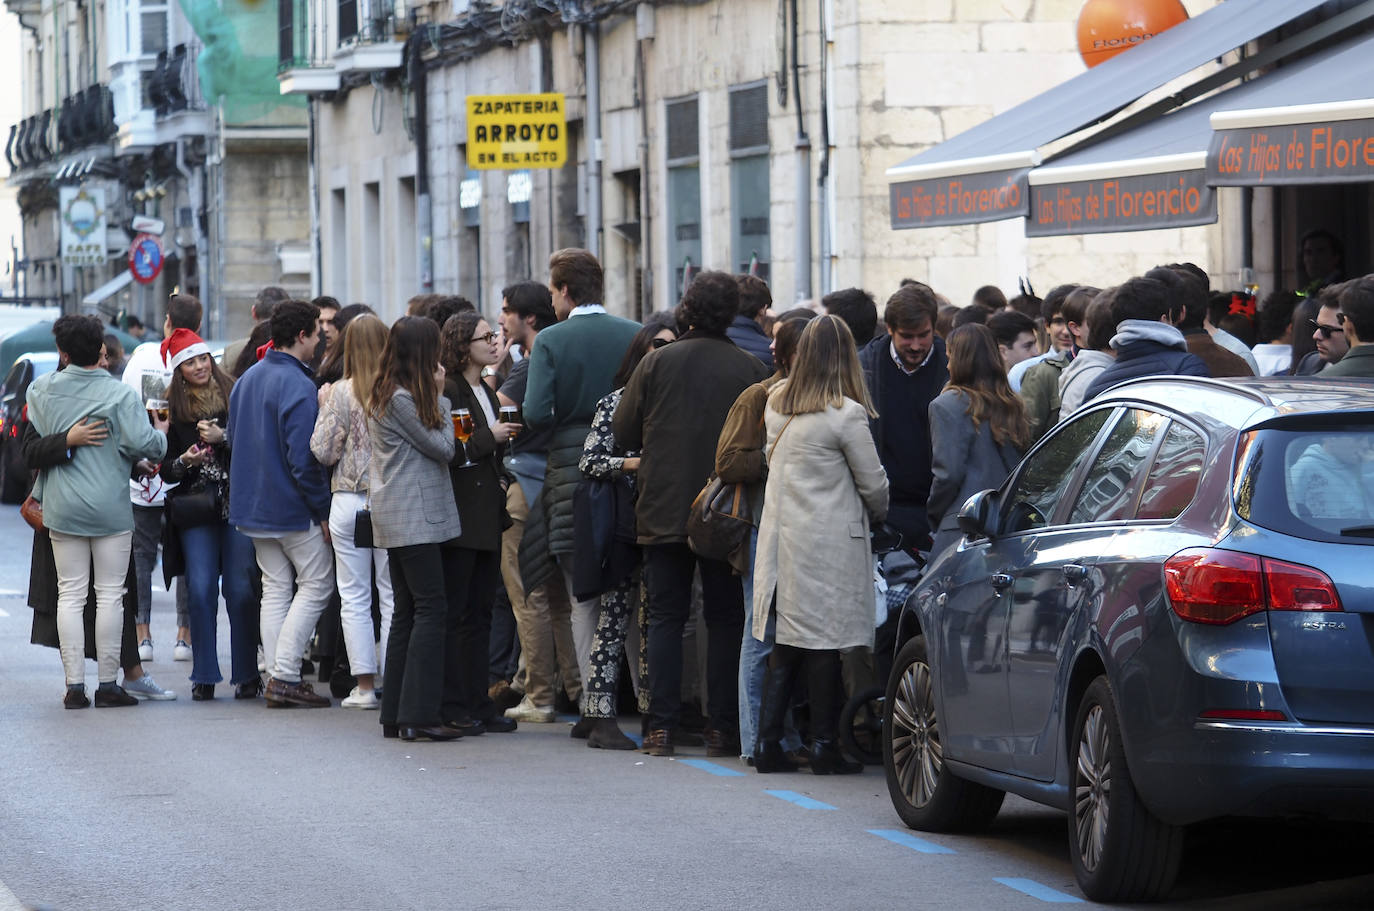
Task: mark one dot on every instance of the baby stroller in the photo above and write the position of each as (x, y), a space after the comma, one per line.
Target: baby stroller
(897, 570)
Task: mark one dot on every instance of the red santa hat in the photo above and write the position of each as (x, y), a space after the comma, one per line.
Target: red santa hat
(181, 346)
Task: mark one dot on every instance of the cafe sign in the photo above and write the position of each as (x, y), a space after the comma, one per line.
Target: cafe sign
(1141, 202)
(1247, 153)
(960, 199)
(82, 212)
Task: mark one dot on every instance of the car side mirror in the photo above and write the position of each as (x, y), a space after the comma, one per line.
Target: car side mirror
(977, 517)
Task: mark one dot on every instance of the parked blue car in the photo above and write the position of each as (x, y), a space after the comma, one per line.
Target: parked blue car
(1165, 615)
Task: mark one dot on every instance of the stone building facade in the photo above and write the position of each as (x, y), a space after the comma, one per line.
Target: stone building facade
(701, 150)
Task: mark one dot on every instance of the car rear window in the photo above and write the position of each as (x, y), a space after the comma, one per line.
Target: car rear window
(1311, 482)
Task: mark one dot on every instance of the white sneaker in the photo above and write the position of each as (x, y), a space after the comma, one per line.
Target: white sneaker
(182, 651)
(358, 699)
(146, 687)
(145, 650)
(530, 713)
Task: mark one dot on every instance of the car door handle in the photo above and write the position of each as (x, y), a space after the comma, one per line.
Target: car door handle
(1001, 581)
(1075, 573)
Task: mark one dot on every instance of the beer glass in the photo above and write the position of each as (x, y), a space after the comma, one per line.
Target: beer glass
(157, 408)
(462, 429)
(510, 414)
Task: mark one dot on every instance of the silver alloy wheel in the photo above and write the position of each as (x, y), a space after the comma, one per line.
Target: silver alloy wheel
(917, 754)
(1092, 788)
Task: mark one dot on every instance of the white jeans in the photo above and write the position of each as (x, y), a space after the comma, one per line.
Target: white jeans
(354, 566)
(74, 556)
(585, 615)
(287, 622)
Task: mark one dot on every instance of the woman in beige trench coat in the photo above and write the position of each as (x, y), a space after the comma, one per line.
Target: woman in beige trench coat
(813, 565)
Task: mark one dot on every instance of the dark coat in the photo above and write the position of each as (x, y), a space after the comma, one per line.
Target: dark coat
(49, 452)
(673, 409)
(749, 336)
(477, 489)
(1145, 358)
(902, 429)
(1358, 361)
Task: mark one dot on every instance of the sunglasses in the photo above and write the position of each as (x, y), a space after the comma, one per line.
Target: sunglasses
(1326, 331)
(660, 342)
(488, 338)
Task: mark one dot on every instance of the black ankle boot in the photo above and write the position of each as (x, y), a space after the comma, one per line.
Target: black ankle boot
(770, 757)
(826, 759)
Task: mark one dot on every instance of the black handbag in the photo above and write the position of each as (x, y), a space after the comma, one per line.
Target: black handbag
(362, 528)
(201, 505)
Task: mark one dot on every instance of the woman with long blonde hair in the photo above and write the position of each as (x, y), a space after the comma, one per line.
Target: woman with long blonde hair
(813, 569)
(978, 429)
(341, 440)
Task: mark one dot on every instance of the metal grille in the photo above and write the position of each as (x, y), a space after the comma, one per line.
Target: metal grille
(749, 117)
(682, 129)
(286, 27)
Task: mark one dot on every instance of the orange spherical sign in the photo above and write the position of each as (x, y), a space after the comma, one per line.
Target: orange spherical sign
(1108, 27)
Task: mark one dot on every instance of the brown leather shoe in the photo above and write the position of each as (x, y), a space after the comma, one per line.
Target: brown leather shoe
(720, 743)
(282, 694)
(659, 743)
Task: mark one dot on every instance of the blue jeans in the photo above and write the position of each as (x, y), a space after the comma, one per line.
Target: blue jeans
(753, 665)
(213, 552)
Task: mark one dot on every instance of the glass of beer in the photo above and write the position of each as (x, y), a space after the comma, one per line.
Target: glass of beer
(157, 408)
(462, 429)
(510, 414)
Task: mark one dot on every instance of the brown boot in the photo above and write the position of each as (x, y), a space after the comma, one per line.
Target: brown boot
(605, 734)
(659, 742)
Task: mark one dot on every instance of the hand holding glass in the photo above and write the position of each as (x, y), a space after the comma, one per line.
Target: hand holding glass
(462, 429)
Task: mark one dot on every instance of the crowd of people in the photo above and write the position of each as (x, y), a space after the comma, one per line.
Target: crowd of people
(491, 519)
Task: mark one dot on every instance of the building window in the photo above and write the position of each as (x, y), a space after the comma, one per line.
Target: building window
(749, 193)
(406, 263)
(470, 238)
(338, 245)
(684, 192)
(371, 243)
(348, 20)
(152, 29)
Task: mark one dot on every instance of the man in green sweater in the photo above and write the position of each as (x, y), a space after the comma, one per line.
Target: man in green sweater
(571, 368)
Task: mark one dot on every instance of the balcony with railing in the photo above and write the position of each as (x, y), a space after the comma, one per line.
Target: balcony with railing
(304, 66)
(368, 35)
(83, 120)
(173, 90)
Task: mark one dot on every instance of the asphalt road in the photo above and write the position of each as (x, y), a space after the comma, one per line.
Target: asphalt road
(226, 805)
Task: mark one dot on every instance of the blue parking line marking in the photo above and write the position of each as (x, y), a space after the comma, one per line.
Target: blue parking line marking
(1036, 890)
(713, 768)
(801, 800)
(907, 840)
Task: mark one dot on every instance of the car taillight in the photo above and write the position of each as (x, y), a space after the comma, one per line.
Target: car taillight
(1221, 586)
(1294, 587)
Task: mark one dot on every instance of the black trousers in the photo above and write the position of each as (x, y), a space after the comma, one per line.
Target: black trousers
(824, 686)
(668, 579)
(416, 650)
(471, 579)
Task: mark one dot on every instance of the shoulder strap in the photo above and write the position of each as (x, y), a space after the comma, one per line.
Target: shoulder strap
(779, 437)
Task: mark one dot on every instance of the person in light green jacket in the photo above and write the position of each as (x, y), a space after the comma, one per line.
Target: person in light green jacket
(85, 501)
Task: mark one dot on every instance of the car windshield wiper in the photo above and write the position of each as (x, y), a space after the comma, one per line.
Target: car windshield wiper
(1358, 531)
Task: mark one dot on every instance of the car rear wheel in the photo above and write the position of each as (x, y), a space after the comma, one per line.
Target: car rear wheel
(925, 793)
(1120, 850)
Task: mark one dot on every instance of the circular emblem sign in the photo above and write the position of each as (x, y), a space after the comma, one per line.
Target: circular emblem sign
(145, 258)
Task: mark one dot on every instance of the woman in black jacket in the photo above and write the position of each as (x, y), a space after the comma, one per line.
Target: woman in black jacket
(198, 515)
(49, 452)
(479, 486)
